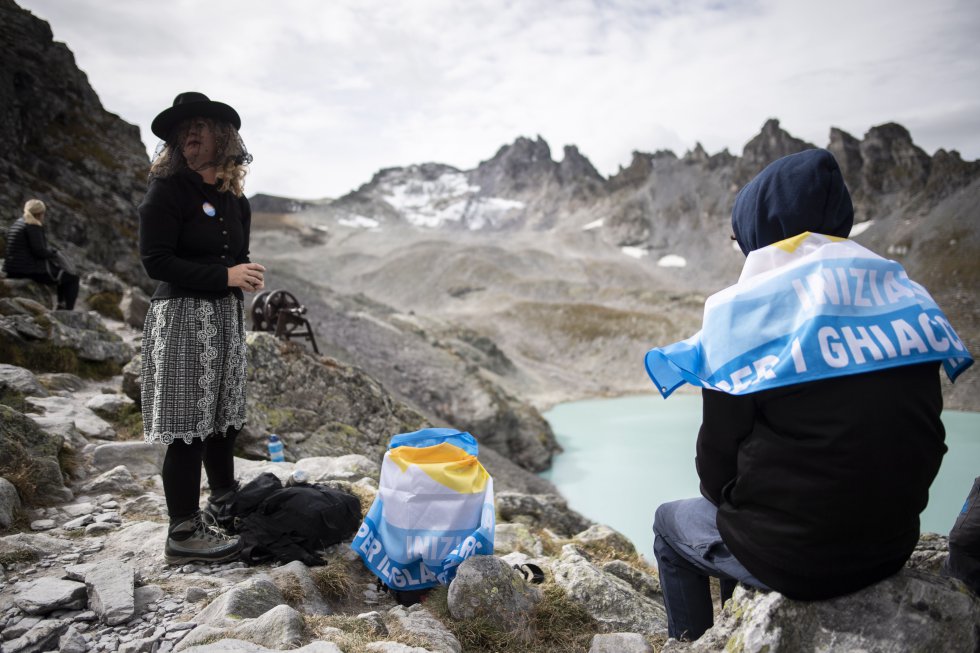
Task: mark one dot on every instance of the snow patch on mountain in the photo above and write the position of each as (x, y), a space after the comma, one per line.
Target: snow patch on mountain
(635, 252)
(489, 211)
(860, 228)
(358, 222)
(672, 261)
(447, 198)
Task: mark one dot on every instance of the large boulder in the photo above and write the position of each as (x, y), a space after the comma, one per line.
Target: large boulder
(17, 383)
(27, 289)
(910, 611)
(131, 372)
(608, 599)
(134, 306)
(318, 405)
(246, 600)
(45, 595)
(10, 503)
(541, 511)
(139, 458)
(487, 588)
(30, 459)
(34, 337)
(279, 628)
(419, 624)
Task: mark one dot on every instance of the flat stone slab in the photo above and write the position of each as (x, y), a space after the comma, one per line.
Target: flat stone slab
(111, 591)
(46, 595)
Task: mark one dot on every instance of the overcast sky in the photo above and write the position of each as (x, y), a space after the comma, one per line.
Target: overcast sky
(330, 92)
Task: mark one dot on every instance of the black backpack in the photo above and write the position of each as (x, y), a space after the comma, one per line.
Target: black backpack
(283, 524)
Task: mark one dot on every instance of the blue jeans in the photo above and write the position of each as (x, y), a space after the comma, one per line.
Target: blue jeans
(689, 549)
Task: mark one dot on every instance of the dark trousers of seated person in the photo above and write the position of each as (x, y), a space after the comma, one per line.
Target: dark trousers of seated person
(689, 550)
(67, 287)
(964, 542)
(182, 472)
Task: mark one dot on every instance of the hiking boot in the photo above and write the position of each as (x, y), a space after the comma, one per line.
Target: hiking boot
(218, 509)
(195, 540)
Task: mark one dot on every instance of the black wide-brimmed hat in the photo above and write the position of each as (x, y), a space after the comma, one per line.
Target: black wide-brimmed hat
(192, 105)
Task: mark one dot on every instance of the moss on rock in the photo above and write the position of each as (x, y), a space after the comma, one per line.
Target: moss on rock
(106, 304)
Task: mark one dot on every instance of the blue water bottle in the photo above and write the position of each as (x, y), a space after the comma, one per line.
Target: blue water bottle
(275, 449)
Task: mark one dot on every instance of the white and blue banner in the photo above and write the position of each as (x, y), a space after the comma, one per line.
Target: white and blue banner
(806, 308)
(434, 509)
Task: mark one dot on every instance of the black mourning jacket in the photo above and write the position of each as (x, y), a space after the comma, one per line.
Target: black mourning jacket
(190, 234)
(819, 485)
(27, 250)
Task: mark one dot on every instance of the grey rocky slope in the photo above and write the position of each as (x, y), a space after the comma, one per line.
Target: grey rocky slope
(81, 564)
(61, 145)
(453, 375)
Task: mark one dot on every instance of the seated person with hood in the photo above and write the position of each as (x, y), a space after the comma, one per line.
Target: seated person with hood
(821, 400)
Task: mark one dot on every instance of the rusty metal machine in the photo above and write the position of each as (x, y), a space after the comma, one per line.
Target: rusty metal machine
(280, 312)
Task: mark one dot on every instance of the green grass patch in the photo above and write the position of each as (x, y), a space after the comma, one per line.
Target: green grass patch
(106, 304)
(18, 466)
(335, 581)
(355, 633)
(128, 423)
(292, 591)
(18, 556)
(558, 625)
(45, 357)
(70, 463)
(14, 400)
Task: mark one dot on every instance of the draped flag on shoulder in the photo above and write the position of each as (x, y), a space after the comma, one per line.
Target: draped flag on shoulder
(434, 509)
(807, 308)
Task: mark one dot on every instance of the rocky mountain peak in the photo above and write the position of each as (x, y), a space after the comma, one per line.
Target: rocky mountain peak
(516, 168)
(575, 166)
(847, 150)
(61, 146)
(892, 162)
(262, 203)
(887, 169)
(771, 143)
(697, 155)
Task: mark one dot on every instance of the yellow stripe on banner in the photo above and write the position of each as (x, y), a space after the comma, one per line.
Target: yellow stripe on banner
(445, 464)
(790, 245)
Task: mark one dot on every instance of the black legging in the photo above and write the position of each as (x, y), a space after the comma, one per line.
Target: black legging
(67, 287)
(182, 472)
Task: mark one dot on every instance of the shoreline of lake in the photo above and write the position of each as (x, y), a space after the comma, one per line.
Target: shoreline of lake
(643, 455)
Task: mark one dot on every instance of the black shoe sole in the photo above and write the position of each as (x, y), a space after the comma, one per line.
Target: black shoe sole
(185, 559)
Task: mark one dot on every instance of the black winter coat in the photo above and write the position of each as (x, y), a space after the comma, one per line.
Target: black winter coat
(190, 234)
(819, 485)
(27, 250)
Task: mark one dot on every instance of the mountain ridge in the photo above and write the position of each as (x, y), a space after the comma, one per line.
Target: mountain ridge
(423, 238)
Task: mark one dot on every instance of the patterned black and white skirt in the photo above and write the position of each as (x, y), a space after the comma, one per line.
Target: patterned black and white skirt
(193, 374)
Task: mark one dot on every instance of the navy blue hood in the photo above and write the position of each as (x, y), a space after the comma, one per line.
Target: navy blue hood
(797, 193)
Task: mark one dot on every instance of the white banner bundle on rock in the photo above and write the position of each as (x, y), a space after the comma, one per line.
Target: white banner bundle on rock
(434, 509)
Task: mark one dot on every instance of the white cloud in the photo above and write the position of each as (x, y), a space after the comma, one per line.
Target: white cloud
(331, 92)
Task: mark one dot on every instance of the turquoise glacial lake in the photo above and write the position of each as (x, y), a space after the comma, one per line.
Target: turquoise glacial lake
(624, 457)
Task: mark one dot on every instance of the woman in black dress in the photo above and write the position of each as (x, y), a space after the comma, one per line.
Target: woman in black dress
(194, 238)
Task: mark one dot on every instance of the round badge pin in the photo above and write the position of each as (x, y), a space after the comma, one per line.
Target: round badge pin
(208, 209)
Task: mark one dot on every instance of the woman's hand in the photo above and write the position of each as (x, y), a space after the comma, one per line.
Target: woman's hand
(247, 276)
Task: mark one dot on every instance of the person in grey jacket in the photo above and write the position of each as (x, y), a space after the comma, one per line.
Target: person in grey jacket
(29, 256)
